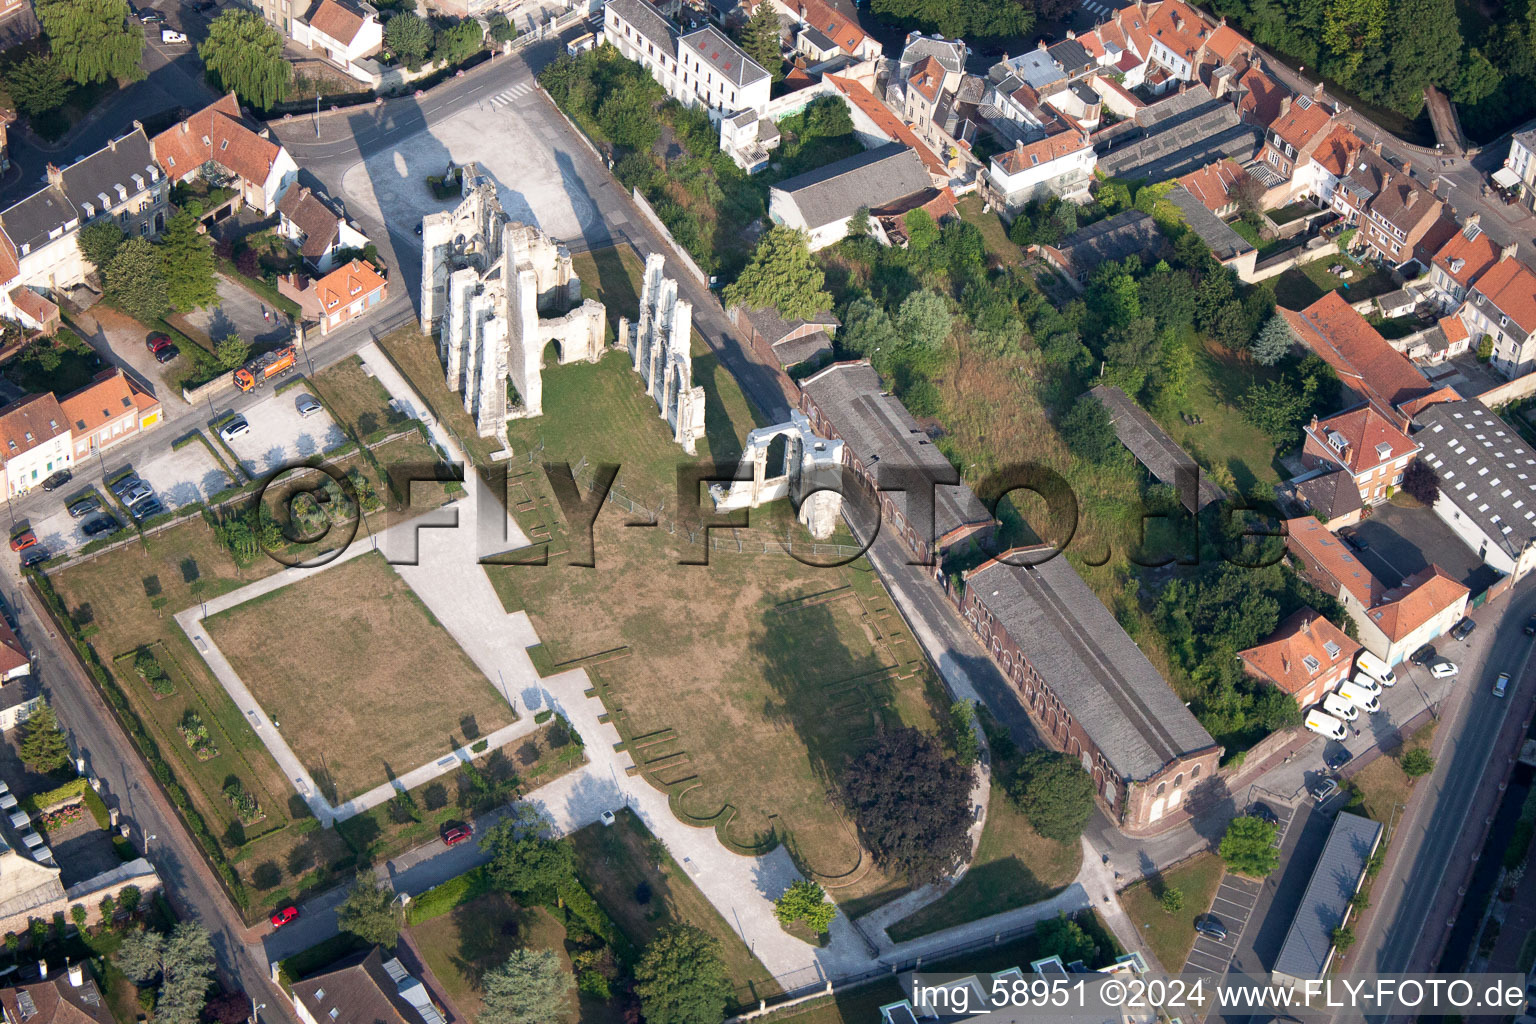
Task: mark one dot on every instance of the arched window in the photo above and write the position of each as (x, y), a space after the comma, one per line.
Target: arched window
(1194, 773)
(1160, 787)
(1178, 780)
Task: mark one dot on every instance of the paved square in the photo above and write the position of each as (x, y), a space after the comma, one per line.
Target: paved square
(280, 437)
(183, 476)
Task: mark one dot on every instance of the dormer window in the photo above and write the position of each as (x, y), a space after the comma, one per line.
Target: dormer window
(105, 202)
(138, 183)
(90, 209)
(28, 435)
(1383, 450)
(1311, 663)
(122, 192)
(1332, 649)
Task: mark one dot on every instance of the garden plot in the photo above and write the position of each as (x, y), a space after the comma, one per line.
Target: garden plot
(280, 437)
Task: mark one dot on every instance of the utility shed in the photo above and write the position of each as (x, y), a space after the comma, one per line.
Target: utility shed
(1308, 948)
(1157, 451)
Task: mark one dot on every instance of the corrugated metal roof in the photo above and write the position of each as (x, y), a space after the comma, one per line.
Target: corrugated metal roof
(1333, 883)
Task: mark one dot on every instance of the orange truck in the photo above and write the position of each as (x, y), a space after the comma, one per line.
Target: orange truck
(264, 367)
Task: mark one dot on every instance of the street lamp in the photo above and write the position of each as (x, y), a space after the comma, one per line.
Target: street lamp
(255, 1009)
(317, 114)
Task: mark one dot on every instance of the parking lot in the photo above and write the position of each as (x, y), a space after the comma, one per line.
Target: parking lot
(1403, 541)
(1235, 900)
(279, 436)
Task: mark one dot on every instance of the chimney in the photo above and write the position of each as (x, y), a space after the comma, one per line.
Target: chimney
(1413, 197)
(1470, 219)
(1376, 147)
(1317, 91)
(55, 176)
(1221, 22)
(112, 145)
(76, 975)
(1285, 106)
(1408, 168)
(1508, 252)
(1306, 627)
(1285, 663)
(1071, 34)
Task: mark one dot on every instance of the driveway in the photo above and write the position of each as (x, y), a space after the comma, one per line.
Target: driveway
(1403, 541)
(279, 436)
(240, 312)
(119, 340)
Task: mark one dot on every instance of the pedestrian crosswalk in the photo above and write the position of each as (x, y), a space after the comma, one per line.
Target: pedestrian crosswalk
(517, 92)
(1098, 10)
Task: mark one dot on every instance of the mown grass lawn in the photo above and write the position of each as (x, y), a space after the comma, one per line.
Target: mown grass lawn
(1171, 936)
(357, 400)
(993, 231)
(1299, 287)
(1225, 441)
(1381, 786)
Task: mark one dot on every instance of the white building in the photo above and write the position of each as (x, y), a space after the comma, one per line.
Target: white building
(318, 230)
(35, 442)
(216, 144)
(344, 32)
(1057, 165)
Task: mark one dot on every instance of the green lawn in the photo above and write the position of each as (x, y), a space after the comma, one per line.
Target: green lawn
(615, 861)
(1381, 786)
(993, 231)
(1299, 287)
(1170, 936)
(1225, 442)
(1014, 867)
(358, 401)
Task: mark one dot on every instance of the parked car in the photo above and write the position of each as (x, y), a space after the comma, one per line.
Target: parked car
(1210, 924)
(285, 916)
(144, 509)
(150, 17)
(156, 342)
(23, 540)
(100, 525)
(137, 493)
(1263, 813)
(1443, 669)
(58, 480)
(308, 406)
(1325, 789)
(34, 557)
(1424, 655)
(83, 508)
(1356, 541)
(1338, 759)
(1501, 684)
(121, 485)
(1463, 629)
(457, 834)
(166, 354)
(1325, 724)
(234, 428)
(1530, 626)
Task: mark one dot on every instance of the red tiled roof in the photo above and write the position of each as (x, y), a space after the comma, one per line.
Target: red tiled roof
(1303, 123)
(28, 423)
(1453, 329)
(1329, 552)
(1282, 658)
(887, 122)
(1369, 439)
(345, 284)
(1445, 394)
(1261, 103)
(8, 266)
(1511, 287)
(1226, 42)
(1337, 151)
(837, 26)
(339, 21)
(216, 133)
(107, 397)
(1179, 27)
(1213, 183)
(33, 305)
(1358, 354)
(1421, 597)
(1042, 151)
(928, 77)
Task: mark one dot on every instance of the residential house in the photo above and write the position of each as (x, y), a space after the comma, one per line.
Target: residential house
(342, 295)
(320, 231)
(19, 698)
(343, 31)
(1364, 444)
(1292, 138)
(924, 87)
(15, 661)
(1459, 264)
(1487, 482)
(215, 144)
(281, 14)
(1088, 688)
(1391, 210)
(1216, 186)
(821, 202)
(875, 125)
(26, 304)
(703, 68)
(1306, 657)
(1330, 565)
(1060, 164)
(1501, 305)
(67, 997)
(884, 445)
(1228, 247)
(1130, 232)
(35, 442)
(365, 989)
(1329, 493)
(1328, 901)
(108, 411)
(842, 29)
(1171, 36)
(1260, 98)
(119, 181)
(1519, 170)
(1364, 361)
(786, 343)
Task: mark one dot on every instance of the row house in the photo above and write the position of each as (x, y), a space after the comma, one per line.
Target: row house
(1391, 211)
(35, 442)
(1216, 186)
(1292, 139)
(216, 145)
(1461, 263)
(344, 294)
(1519, 170)
(817, 18)
(1502, 306)
(701, 69)
(344, 32)
(1060, 164)
(42, 434)
(319, 230)
(1307, 657)
(108, 411)
(1364, 444)
(931, 92)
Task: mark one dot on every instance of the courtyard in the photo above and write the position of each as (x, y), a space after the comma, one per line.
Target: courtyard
(368, 680)
(1406, 539)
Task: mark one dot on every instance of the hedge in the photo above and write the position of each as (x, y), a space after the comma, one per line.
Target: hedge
(455, 892)
(580, 903)
(308, 961)
(93, 803)
(35, 803)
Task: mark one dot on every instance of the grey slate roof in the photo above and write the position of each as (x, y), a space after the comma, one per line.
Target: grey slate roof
(730, 60)
(1071, 56)
(878, 429)
(1177, 145)
(1485, 470)
(819, 39)
(1153, 447)
(950, 53)
(1113, 238)
(648, 21)
(1334, 493)
(1217, 234)
(1094, 668)
(1036, 68)
(869, 179)
(1333, 883)
(29, 221)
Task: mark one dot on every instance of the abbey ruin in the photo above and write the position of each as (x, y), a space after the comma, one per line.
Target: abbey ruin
(660, 350)
(807, 470)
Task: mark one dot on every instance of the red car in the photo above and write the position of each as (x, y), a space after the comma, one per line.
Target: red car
(23, 540)
(456, 835)
(156, 342)
(284, 916)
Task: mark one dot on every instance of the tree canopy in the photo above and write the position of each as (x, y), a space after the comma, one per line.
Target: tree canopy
(180, 966)
(93, 40)
(1061, 936)
(1248, 847)
(782, 275)
(369, 912)
(532, 987)
(529, 866)
(37, 84)
(43, 747)
(410, 36)
(136, 281)
(911, 804)
(681, 978)
(1054, 793)
(761, 39)
(99, 242)
(191, 281)
(970, 18)
(459, 41)
(244, 55)
(1421, 482)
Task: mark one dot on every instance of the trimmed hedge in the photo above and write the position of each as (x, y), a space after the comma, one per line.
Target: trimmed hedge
(35, 803)
(93, 803)
(455, 892)
(308, 961)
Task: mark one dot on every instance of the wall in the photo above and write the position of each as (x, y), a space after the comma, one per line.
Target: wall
(682, 254)
(1299, 256)
(1520, 387)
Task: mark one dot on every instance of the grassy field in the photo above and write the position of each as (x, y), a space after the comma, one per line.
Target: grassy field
(993, 231)
(614, 861)
(461, 946)
(358, 401)
(612, 276)
(415, 355)
(1301, 286)
(1171, 936)
(1235, 450)
(1381, 786)
(1014, 866)
(359, 710)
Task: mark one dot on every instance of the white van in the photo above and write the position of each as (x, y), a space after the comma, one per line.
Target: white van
(1361, 698)
(1339, 708)
(1375, 667)
(1370, 684)
(1325, 724)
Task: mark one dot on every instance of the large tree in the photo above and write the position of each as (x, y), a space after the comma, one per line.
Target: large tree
(762, 39)
(1273, 342)
(1421, 482)
(136, 281)
(782, 274)
(244, 55)
(37, 84)
(99, 242)
(179, 964)
(526, 865)
(43, 747)
(530, 988)
(410, 36)
(1054, 792)
(1061, 936)
(459, 41)
(1249, 847)
(94, 40)
(923, 320)
(681, 978)
(369, 912)
(187, 254)
(912, 805)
